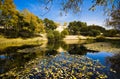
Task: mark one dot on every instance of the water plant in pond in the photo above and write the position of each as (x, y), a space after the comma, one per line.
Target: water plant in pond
(64, 65)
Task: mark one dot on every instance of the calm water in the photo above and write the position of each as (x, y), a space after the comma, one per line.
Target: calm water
(72, 60)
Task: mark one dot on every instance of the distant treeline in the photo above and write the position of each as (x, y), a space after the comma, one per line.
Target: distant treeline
(14, 23)
(77, 27)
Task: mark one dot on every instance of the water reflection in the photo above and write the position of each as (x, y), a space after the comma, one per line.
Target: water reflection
(16, 58)
(114, 62)
(79, 49)
(70, 48)
(10, 58)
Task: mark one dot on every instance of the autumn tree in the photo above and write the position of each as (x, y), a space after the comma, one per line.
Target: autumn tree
(9, 14)
(30, 23)
(16, 23)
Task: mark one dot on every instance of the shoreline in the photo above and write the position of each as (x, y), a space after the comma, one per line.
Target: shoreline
(69, 39)
(6, 42)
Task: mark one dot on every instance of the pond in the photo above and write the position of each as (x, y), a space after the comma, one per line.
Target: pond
(61, 60)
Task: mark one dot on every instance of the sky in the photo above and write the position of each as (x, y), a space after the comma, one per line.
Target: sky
(97, 17)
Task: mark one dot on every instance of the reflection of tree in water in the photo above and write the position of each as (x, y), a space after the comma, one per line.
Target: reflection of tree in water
(56, 45)
(64, 46)
(115, 62)
(71, 48)
(13, 59)
(79, 49)
(50, 52)
(52, 47)
(114, 42)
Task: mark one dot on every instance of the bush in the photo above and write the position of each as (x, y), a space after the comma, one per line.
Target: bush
(57, 35)
(50, 36)
(112, 33)
(64, 33)
(100, 38)
(95, 32)
(53, 35)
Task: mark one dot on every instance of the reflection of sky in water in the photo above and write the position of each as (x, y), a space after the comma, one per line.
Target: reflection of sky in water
(101, 56)
(2, 56)
(13, 58)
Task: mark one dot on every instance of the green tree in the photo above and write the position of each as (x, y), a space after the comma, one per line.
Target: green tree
(97, 27)
(57, 35)
(64, 33)
(53, 36)
(50, 35)
(112, 33)
(84, 31)
(93, 30)
(75, 26)
(49, 24)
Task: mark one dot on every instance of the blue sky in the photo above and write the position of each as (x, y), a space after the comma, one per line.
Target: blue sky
(97, 17)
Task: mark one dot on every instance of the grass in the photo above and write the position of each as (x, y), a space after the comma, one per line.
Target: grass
(5, 42)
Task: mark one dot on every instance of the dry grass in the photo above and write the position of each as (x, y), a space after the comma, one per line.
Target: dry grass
(4, 42)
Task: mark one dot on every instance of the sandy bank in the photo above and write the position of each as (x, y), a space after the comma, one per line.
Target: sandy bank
(102, 46)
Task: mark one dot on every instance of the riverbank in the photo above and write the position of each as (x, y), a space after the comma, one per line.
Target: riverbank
(80, 37)
(102, 46)
(6, 42)
(69, 39)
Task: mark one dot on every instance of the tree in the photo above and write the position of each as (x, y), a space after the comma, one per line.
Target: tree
(15, 23)
(114, 21)
(112, 33)
(64, 33)
(49, 24)
(0, 4)
(40, 28)
(30, 23)
(75, 7)
(97, 27)
(53, 36)
(8, 17)
(57, 35)
(92, 30)
(75, 26)
(9, 13)
(50, 35)
(84, 31)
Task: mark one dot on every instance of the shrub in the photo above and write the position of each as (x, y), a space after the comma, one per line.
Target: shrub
(64, 33)
(100, 38)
